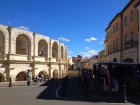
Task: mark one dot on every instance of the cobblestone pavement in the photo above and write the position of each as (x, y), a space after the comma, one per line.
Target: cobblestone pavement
(47, 94)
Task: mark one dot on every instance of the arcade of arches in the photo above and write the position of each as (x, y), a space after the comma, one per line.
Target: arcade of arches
(21, 50)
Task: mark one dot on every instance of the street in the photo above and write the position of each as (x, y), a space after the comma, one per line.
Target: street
(49, 94)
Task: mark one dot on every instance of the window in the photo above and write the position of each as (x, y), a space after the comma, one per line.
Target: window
(131, 15)
(116, 44)
(131, 35)
(108, 49)
(125, 20)
(110, 33)
(117, 26)
(113, 46)
(125, 40)
(113, 29)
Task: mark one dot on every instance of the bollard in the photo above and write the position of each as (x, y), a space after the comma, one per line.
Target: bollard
(125, 98)
(36, 79)
(28, 77)
(10, 82)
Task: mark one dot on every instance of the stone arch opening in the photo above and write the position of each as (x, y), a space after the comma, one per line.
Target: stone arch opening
(21, 76)
(114, 60)
(62, 52)
(2, 40)
(2, 77)
(42, 48)
(23, 45)
(55, 74)
(128, 60)
(55, 50)
(45, 74)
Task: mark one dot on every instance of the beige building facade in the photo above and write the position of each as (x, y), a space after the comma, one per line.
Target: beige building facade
(22, 50)
(121, 42)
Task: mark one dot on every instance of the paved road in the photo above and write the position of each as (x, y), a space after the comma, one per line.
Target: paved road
(47, 94)
(74, 92)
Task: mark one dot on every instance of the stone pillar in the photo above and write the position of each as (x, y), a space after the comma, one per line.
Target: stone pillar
(10, 30)
(60, 71)
(50, 49)
(50, 74)
(138, 34)
(34, 47)
(12, 74)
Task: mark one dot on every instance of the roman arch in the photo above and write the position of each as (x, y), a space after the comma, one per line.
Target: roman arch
(55, 74)
(2, 77)
(55, 50)
(23, 45)
(21, 76)
(22, 50)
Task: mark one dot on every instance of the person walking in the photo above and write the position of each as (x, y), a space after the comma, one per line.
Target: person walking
(63, 87)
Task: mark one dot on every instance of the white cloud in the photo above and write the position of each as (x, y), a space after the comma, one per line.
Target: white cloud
(24, 28)
(69, 56)
(90, 39)
(63, 39)
(101, 42)
(9, 22)
(70, 52)
(89, 53)
(87, 48)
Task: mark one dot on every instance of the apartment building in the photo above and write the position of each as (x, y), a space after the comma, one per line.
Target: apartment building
(101, 56)
(77, 62)
(70, 64)
(121, 41)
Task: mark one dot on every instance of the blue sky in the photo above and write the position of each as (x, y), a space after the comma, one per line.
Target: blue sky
(79, 24)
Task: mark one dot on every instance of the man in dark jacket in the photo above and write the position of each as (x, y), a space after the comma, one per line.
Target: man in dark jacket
(63, 87)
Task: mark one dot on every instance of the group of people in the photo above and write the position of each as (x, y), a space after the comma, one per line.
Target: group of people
(85, 82)
(40, 77)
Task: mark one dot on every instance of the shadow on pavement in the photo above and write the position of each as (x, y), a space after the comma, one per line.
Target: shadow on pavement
(74, 93)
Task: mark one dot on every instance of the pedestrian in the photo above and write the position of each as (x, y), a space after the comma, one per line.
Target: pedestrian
(63, 87)
(86, 82)
(51, 80)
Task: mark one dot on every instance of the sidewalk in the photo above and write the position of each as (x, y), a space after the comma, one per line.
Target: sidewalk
(19, 84)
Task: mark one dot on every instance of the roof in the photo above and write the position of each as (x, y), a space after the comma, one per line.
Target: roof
(76, 59)
(119, 14)
(137, 4)
(84, 60)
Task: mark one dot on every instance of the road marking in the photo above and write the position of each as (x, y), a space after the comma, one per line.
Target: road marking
(56, 92)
